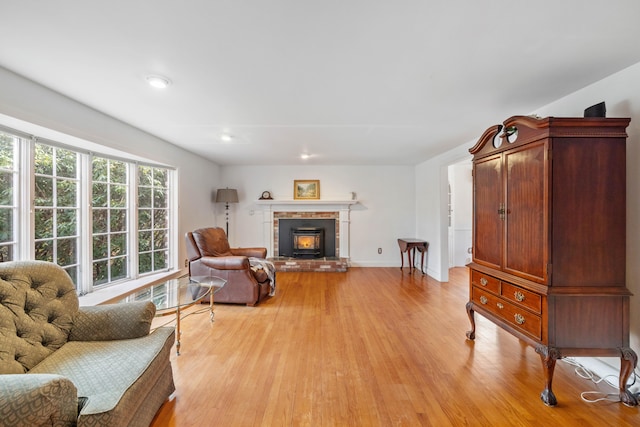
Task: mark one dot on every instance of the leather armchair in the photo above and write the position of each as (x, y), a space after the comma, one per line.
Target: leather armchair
(209, 254)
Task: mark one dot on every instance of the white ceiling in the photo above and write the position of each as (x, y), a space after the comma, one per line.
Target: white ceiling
(349, 82)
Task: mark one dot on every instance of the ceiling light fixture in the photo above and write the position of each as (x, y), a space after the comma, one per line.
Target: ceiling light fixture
(158, 82)
(225, 137)
(305, 156)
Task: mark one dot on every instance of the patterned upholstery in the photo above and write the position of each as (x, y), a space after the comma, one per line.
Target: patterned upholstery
(113, 322)
(47, 399)
(133, 358)
(65, 365)
(37, 304)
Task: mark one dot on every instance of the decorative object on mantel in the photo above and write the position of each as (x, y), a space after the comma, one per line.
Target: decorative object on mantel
(339, 203)
(306, 189)
(266, 195)
(226, 196)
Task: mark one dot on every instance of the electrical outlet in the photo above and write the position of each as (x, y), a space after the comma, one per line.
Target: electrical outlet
(186, 262)
(379, 250)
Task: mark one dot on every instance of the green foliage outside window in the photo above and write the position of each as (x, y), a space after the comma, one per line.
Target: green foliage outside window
(57, 191)
(110, 220)
(153, 223)
(56, 208)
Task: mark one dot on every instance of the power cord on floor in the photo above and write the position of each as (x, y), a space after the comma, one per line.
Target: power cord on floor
(597, 396)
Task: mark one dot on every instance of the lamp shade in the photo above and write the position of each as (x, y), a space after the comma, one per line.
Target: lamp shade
(227, 195)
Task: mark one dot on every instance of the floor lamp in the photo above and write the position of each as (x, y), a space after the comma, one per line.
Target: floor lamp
(226, 196)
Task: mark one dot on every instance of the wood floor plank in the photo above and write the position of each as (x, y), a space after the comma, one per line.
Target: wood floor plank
(370, 347)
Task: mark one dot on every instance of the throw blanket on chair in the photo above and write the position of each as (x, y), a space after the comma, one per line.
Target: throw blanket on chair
(268, 267)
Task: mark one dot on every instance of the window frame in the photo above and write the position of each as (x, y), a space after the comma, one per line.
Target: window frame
(14, 206)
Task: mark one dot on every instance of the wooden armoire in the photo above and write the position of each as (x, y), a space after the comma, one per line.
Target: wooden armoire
(549, 239)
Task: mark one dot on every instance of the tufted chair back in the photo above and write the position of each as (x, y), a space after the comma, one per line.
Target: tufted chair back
(38, 301)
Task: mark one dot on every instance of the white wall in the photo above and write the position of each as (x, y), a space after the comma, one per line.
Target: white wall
(622, 97)
(385, 209)
(32, 104)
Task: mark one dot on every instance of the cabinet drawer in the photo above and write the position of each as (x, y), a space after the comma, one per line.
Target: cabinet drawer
(483, 281)
(522, 297)
(519, 318)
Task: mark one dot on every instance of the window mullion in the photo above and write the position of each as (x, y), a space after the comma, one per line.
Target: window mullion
(133, 220)
(27, 200)
(85, 275)
(173, 220)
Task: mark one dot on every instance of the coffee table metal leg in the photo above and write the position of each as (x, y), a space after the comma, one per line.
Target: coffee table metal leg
(211, 306)
(178, 331)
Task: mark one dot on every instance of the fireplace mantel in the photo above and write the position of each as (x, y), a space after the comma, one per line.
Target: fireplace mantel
(342, 207)
(314, 204)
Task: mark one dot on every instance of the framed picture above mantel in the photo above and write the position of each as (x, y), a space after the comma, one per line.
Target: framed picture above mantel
(306, 189)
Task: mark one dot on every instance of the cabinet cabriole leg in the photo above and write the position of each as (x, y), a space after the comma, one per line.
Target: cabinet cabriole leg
(548, 355)
(628, 362)
(472, 333)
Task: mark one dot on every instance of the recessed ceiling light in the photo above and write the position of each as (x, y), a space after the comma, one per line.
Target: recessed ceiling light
(158, 82)
(305, 156)
(225, 137)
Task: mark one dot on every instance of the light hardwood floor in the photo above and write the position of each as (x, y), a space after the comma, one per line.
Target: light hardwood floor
(371, 347)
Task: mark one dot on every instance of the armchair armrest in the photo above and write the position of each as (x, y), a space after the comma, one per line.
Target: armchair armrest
(226, 262)
(113, 321)
(38, 400)
(250, 252)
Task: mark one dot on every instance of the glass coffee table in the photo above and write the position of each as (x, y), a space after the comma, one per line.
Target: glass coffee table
(175, 295)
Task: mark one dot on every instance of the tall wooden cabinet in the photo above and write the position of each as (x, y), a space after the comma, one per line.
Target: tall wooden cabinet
(549, 239)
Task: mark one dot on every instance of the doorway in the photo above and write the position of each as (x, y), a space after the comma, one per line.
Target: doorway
(460, 213)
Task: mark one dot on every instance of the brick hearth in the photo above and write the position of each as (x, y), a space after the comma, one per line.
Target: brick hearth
(328, 264)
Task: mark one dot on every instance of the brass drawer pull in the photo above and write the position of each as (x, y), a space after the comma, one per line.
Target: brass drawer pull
(500, 305)
(519, 296)
(484, 281)
(483, 299)
(519, 318)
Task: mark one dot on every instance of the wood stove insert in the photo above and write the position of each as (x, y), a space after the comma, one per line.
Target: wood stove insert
(307, 242)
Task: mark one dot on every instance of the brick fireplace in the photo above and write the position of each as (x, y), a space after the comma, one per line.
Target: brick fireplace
(306, 211)
(304, 219)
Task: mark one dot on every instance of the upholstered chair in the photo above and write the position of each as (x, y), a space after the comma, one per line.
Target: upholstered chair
(66, 365)
(250, 277)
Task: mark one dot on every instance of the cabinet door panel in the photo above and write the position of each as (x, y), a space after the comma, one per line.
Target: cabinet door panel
(526, 238)
(589, 214)
(487, 199)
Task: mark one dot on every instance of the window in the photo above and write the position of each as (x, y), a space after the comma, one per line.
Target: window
(153, 219)
(8, 196)
(110, 228)
(56, 207)
(86, 212)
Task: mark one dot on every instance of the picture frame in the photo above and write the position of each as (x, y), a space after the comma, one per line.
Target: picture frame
(306, 189)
